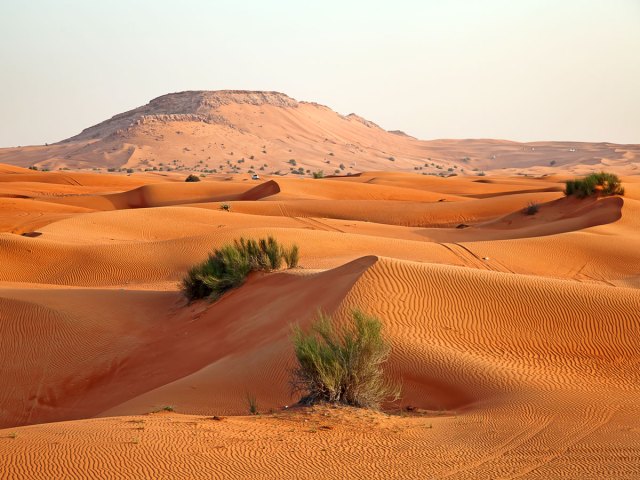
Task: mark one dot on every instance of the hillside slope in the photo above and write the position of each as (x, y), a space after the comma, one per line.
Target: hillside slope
(235, 131)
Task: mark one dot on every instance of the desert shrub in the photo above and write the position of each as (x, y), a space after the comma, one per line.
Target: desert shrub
(318, 174)
(192, 178)
(228, 267)
(602, 183)
(342, 364)
(291, 256)
(226, 207)
(252, 404)
(532, 208)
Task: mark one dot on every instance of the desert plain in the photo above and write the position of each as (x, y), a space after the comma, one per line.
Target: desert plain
(515, 337)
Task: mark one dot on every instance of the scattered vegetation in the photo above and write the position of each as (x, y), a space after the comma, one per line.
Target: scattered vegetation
(597, 183)
(226, 207)
(291, 256)
(532, 208)
(228, 267)
(166, 408)
(342, 364)
(192, 178)
(318, 174)
(253, 404)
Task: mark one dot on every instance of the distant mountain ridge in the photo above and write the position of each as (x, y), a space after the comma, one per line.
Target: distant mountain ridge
(197, 106)
(238, 131)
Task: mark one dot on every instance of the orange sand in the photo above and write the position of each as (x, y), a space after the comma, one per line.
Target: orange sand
(516, 337)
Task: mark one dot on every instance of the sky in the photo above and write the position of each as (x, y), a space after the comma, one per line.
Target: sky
(522, 70)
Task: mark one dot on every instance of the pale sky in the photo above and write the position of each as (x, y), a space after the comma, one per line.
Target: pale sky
(511, 69)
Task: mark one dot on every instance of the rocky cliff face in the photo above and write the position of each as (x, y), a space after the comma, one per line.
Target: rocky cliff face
(198, 106)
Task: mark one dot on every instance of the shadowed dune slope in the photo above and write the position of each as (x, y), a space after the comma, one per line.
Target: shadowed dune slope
(134, 341)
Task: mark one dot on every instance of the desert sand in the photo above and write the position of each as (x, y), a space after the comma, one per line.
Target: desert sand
(515, 337)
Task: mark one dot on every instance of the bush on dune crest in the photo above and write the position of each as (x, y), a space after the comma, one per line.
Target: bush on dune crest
(228, 267)
(597, 183)
(342, 364)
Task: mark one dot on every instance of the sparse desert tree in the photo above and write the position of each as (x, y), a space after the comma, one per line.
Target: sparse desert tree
(192, 178)
(342, 364)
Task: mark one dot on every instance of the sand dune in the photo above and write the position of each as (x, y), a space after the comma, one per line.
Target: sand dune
(511, 393)
(514, 336)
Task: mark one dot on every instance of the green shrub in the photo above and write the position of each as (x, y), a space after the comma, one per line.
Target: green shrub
(228, 267)
(192, 178)
(291, 256)
(602, 183)
(318, 174)
(342, 364)
(252, 404)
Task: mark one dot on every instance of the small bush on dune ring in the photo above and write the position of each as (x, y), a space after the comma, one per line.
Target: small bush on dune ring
(342, 364)
(603, 183)
(192, 178)
(228, 267)
(531, 209)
